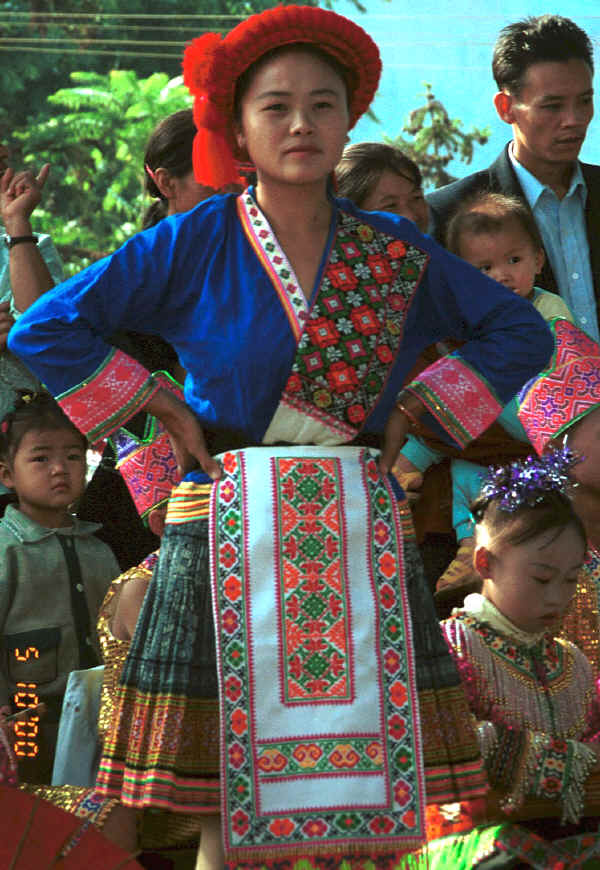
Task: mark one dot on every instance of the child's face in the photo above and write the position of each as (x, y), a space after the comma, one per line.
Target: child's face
(508, 256)
(399, 195)
(47, 473)
(532, 583)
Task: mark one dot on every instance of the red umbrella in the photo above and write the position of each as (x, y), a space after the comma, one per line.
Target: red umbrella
(35, 834)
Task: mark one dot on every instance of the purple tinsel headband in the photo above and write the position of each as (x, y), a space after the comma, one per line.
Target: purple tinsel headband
(527, 483)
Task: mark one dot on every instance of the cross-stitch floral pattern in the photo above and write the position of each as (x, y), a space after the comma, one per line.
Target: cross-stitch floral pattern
(314, 617)
(351, 337)
(102, 403)
(394, 826)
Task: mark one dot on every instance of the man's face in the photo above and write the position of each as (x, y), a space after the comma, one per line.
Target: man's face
(550, 114)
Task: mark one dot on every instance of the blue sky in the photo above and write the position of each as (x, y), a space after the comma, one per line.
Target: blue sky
(449, 44)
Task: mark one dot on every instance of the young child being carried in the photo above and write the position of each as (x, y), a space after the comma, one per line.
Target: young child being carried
(533, 694)
(498, 235)
(53, 571)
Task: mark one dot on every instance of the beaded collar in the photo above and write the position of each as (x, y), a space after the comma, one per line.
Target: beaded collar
(483, 610)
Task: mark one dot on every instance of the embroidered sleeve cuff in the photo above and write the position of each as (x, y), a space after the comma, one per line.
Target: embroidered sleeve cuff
(560, 769)
(114, 393)
(553, 769)
(458, 397)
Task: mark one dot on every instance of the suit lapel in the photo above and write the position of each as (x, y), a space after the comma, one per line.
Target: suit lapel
(592, 221)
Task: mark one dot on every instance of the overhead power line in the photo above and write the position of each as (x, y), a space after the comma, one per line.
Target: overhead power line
(96, 51)
(38, 16)
(20, 40)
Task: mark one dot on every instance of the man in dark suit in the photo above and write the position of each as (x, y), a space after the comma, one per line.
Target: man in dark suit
(543, 68)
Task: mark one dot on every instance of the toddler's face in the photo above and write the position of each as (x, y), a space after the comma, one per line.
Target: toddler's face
(47, 472)
(532, 583)
(508, 256)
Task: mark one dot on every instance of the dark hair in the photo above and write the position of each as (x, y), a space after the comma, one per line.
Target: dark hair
(510, 528)
(363, 164)
(169, 147)
(491, 213)
(547, 38)
(245, 79)
(33, 411)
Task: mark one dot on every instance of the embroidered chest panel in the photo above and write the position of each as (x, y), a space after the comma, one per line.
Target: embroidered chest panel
(349, 339)
(353, 333)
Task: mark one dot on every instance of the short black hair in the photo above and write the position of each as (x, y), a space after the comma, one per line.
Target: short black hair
(488, 213)
(545, 38)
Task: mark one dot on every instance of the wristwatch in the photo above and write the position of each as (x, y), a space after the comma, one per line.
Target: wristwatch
(11, 241)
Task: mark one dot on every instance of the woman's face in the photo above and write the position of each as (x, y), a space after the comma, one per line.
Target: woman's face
(399, 195)
(294, 119)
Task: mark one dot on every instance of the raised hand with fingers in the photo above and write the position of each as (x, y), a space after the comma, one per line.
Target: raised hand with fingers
(20, 193)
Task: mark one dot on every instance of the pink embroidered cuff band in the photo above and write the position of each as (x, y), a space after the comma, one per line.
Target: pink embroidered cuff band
(114, 393)
(458, 397)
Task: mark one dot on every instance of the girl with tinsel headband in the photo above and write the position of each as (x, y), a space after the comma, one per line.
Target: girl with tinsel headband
(533, 695)
(298, 318)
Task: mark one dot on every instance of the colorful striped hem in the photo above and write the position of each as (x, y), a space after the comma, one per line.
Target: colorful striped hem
(189, 502)
(161, 790)
(442, 782)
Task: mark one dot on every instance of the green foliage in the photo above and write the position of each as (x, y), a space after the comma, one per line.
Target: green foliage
(95, 142)
(43, 41)
(83, 84)
(436, 140)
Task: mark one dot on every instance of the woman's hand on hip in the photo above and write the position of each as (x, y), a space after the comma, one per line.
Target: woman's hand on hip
(185, 432)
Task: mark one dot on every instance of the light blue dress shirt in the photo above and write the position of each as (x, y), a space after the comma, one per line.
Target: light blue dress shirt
(561, 223)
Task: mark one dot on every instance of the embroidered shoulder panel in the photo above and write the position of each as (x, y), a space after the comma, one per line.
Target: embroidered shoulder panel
(352, 336)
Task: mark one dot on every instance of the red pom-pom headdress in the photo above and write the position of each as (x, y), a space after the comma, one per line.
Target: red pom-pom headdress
(212, 66)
